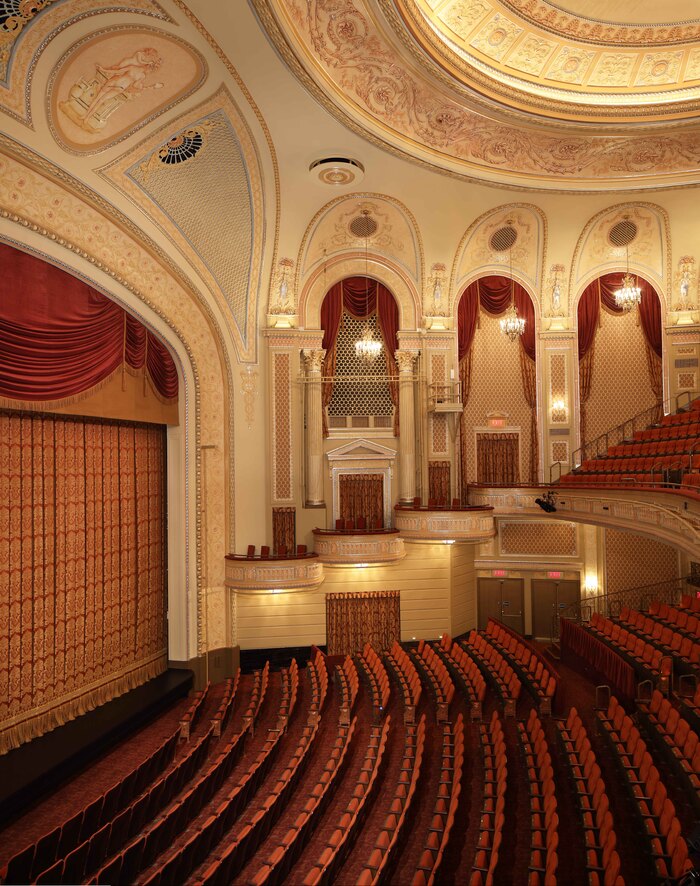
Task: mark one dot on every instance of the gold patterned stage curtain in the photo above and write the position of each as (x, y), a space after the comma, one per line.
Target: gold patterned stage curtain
(497, 459)
(356, 618)
(439, 482)
(362, 495)
(82, 567)
(284, 533)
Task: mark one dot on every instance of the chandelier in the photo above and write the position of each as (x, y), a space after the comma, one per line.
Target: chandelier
(512, 325)
(628, 295)
(367, 347)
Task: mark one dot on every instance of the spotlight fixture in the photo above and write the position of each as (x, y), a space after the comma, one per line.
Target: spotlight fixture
(547, 502)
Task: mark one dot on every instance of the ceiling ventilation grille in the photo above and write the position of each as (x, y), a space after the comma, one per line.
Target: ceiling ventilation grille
(363, 226)
(623, 233)
(503, 239)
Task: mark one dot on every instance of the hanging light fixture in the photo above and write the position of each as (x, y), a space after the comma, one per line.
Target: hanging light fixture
(512, 325)
(628, 295)
(367, 348)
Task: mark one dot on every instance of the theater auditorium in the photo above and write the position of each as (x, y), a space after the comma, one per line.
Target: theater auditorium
(349, 442)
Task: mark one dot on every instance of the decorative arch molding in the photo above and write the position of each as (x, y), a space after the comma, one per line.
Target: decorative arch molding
(583, 272)
(306, 263)
(530, 273)
(499, 271)
(46, 212)
(352, 264)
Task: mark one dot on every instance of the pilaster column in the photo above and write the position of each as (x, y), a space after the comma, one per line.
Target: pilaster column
(405, 360)
(313, 361)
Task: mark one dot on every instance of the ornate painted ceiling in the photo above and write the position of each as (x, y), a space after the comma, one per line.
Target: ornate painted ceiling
(516, 91)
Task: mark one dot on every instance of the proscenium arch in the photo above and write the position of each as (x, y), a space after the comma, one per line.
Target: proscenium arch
(50, 214)
(352, 264)
(181, 445)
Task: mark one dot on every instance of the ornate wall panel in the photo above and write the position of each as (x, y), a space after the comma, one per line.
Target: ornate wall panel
(633, 560)
(556, 539)
(282, 458)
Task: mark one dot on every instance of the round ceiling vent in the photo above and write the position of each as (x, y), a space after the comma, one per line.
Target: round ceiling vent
(503, 239)
(337, 171)
(623, 233)
(363, 226)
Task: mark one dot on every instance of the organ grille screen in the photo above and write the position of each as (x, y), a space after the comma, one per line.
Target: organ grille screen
(359, 398)
(622, 233)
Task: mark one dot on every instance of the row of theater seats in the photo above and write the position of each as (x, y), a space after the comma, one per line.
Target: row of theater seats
(493, 748)
(600, 839)
(684, 648)
(687, 605)
(446, 803)
(221, 718)
(676, 740)
(260, 682)
(289, 694)
(664, 844)
(407, 677)
(189, 719)
(349, 684)
(281, 552)
(280, 859)
(467, 672)
(318, 673)
(358, 524)
(441, 685)
(533, 669)
(50, 850)
(646, 658)
(384, 854)
(664, 448)
(544, 821)
(501, 674)
(353, 816)
(377, 678)
(683, 621)
(691, 705)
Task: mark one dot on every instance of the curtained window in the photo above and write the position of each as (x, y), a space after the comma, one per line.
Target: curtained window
(498, 459)
(493, 294)
(353, 619)
(601, 292)
(362, 495)
(60, 338)
(439, 482)
(358, 299)
(284, 529)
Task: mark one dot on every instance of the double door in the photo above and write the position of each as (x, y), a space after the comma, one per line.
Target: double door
(502, 598)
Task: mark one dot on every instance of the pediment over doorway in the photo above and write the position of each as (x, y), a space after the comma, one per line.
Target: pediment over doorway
(360, 450)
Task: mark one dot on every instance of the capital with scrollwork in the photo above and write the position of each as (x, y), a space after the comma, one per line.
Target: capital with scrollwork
(405, 361)
(313, 359)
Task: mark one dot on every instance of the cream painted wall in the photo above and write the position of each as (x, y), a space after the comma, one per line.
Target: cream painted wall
(463, 597)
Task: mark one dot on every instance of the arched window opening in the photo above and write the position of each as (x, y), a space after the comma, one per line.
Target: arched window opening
(357, 394)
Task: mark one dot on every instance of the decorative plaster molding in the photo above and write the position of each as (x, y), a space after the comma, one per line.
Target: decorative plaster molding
(474, 526)
(376, 549)
(303, 574)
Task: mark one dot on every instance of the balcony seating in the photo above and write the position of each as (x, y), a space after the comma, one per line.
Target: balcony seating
(683, 647)
(646, 659)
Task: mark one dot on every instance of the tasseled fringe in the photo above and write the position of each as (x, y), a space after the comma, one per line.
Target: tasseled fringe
(56, 713)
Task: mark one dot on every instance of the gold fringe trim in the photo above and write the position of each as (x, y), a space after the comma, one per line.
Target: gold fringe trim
(31, 724)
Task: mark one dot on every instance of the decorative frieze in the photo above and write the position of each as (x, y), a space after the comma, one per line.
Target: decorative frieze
(300, 574)
(372, 548)
(462, 525)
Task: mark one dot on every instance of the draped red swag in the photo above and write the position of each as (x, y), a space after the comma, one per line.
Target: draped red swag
(602, 292)
(60, 338)
(493, 294)
(360, 297)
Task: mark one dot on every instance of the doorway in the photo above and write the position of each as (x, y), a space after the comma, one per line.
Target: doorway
(502, 598)
(549, 598)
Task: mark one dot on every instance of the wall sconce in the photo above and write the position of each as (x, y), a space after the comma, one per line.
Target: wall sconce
(560, 411)
(590, 585)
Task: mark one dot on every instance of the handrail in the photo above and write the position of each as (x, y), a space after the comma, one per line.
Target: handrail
(635, 598)
(625, 431)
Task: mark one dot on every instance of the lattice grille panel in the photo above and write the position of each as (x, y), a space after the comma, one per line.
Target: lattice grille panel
(560, 451)
(687, 381)
(539, 539)
(357, 397)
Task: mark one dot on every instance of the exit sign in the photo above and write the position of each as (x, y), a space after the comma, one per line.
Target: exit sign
(498, 573)
(554, 575)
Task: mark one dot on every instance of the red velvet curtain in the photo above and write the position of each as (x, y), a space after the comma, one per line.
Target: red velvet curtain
(360, 297)
(59, 337)
(355, 618)
(493, 294)
(602, 292)
(284, 530)
(362, 495)
(439, 482)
